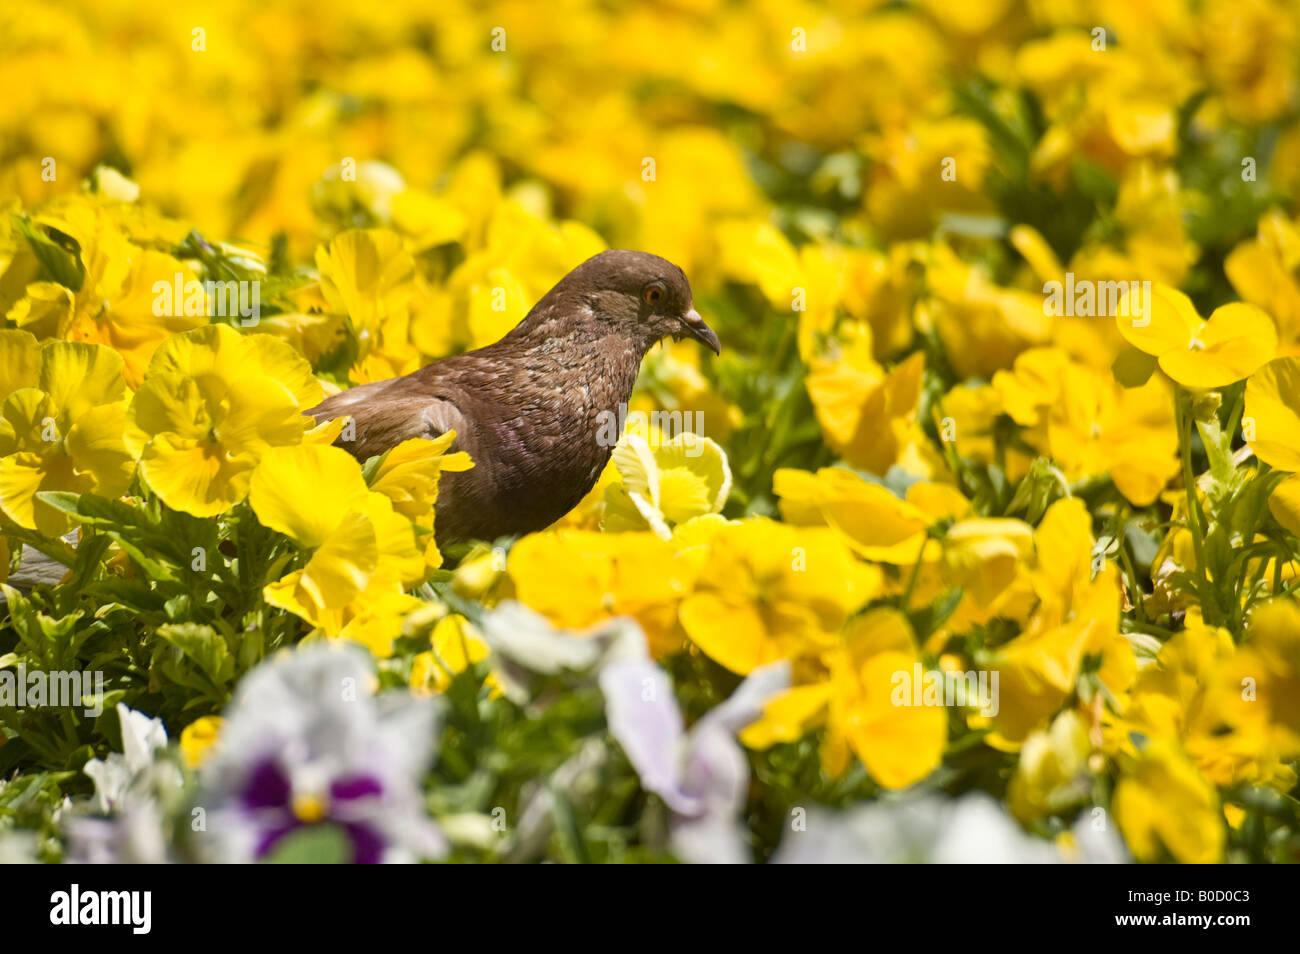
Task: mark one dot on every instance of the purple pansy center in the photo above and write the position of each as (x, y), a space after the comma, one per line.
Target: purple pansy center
(267, 796)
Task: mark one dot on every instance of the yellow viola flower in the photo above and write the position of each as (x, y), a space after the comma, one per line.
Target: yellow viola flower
(366, 274)
(1193, 696)
(1265, 271)
(116, 305)
(870, 714)
(1271, 420)
(666, 485)
(985, 556)
(1033, 385)
(864, 699)
(375, 617)
(966, 419)
(902, 198)
(456, 644)
(1077, 613)
(769, 591)
(578, 578)
(45, 311)
(1268, 665)
(1250, 51)
(197, 739)
(1098, 427)
(409, 476)
(1162, 804)
(1052, 773)
(1235, 340)
(983, 325)
(1271, 423)
(61, 426)
(874, 521)
(212, 402)
(867, 414)
(360, 545)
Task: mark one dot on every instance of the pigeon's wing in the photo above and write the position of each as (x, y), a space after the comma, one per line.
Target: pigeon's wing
(384, 415)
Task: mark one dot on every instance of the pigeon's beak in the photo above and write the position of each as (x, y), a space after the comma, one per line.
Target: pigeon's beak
(697, 329)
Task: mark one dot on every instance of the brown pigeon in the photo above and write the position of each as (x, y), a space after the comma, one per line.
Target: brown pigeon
(531, 409)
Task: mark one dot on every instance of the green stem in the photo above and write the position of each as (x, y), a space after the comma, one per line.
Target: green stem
(1134, 586)
(1209, 602)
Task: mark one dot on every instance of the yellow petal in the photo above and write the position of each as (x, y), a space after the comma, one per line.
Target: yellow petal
(197, 739)
(732, 634)
(269, 356)
(341, 567)
(1164, 803)
(1284, 503)
(20, 360)
(78, 376)
(196, 477)
(899, 744)
(1236, 340)
(96, 446)
(1273, 413)
(305, 491)
(788, 717)
(1171, 326)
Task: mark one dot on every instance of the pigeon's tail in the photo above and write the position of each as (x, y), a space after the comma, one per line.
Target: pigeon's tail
(35, 568)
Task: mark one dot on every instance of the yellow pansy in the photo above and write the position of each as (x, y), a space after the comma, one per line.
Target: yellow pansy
(1269, 664)
(360, 545)
(197, 739)
(866, 413)
(1194, 696)
(1265, 271)
(60, 426)
(366, 274)
(1052, 773)
(374, 618)
(1235, 340)
(1077, 613)
(211, 404)
(1271, 420)
(966, 419)
(865, 701)
(409, 476)
(874, 521)
(758, 252)
(903, 198)
(1162, 803)
(1098, 427)
(769, 591)
(668, 484)
(577, 578)
(456, 644)
(983, 325)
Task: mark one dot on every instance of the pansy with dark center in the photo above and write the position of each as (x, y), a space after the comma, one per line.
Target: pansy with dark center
(276, 811)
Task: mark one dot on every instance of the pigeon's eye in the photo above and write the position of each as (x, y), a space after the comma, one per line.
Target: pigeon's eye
(653, 294)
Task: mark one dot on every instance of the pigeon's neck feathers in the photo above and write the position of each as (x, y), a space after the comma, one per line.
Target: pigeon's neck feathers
(570, 338)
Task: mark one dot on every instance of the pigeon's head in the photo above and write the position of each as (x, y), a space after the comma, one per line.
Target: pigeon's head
(645, 297)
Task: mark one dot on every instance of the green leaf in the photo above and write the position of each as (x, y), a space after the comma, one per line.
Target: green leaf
(61, 260)
(203, 648)
(312, 845)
